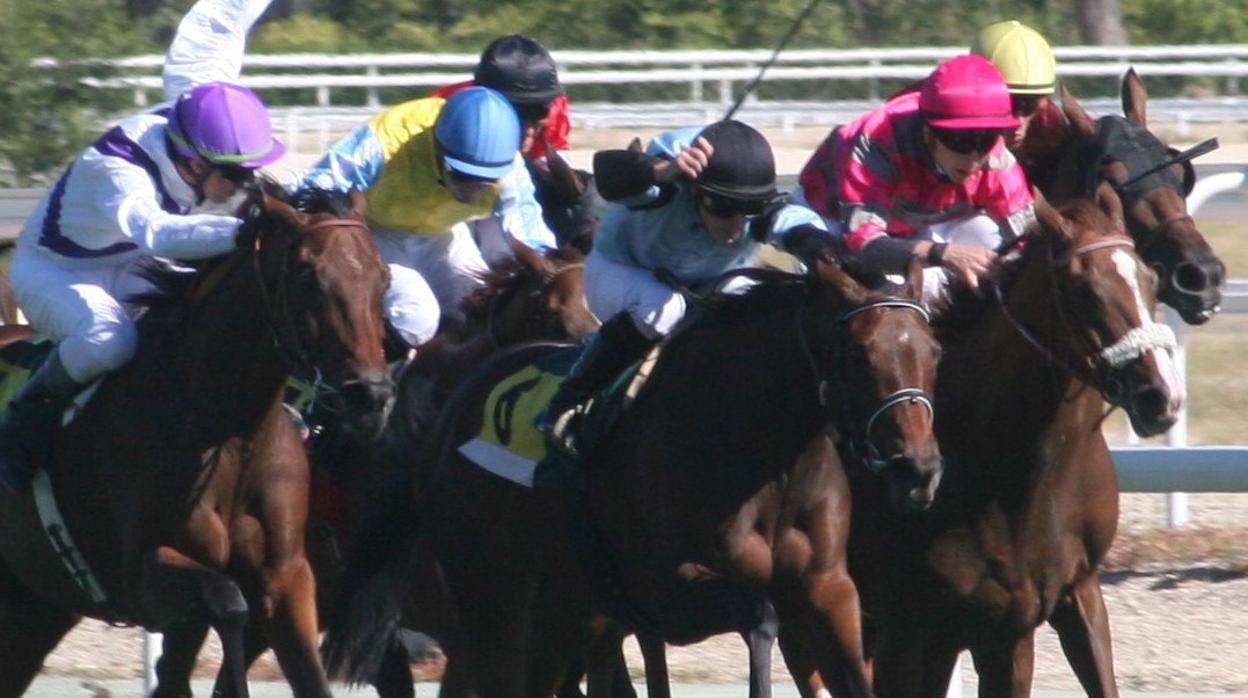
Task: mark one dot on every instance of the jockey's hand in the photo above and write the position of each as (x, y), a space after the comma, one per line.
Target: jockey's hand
(688, 163)
(969, 263)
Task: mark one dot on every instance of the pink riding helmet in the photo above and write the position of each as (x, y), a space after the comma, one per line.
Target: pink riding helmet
(966, 93)
(224, 124)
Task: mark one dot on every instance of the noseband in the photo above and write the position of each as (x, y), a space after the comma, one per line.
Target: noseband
(860, 442)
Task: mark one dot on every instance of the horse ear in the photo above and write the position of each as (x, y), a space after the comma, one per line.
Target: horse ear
(914, 280)
(834, 277)
(1051, 220)
(359, 204)
(635, 145)
(532, 260)
(1078, 118)
(1109, 202)
(563, 173)
(1134, 98)
(276, 206)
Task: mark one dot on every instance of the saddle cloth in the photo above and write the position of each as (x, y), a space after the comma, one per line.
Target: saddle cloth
(511, 448)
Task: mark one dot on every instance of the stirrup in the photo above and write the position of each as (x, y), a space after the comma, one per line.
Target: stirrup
(561, 431)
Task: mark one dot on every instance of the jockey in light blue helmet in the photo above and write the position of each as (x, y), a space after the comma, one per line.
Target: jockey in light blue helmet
(478, 132)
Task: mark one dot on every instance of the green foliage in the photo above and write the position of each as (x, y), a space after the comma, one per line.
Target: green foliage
(1186, 21)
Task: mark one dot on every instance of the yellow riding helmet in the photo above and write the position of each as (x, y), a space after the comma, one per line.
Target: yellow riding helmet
(1021, 54)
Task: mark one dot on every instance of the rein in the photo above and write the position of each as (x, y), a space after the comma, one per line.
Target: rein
(1128, 348)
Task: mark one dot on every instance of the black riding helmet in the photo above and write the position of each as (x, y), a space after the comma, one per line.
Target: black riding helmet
(742, 167)
(521, 69)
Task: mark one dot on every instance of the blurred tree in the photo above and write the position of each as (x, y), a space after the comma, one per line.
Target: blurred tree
(1102, 22)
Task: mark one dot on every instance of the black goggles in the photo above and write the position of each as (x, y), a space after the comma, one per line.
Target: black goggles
(724, 207)
(1025, 105)
(235, 174)
(967, 142)
(465, 178)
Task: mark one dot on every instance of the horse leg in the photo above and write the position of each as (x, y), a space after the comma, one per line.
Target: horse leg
(796, 653)
(654, 654)
(291, 625)
(179, 648)
(1005, 667)
(912, 663)
(826, 606)
(760, 637)
(29, 630)
(169, 577)
(1082, 625)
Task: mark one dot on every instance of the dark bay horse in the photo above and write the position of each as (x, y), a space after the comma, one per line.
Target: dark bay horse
(534, 296)
(696, 499)
(1069, 160)
(183, 482)
(571, 204)
(1029, 503)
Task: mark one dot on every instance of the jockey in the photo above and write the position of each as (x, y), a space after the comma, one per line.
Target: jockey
(522, 70)
(128, 197)
(697, 204)
(1030, 71)
(926, 176)
(426, 167)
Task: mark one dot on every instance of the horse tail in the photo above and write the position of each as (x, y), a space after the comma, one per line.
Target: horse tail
(370, 593)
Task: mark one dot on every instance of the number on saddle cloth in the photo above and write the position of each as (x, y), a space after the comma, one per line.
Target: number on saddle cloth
(510, 447)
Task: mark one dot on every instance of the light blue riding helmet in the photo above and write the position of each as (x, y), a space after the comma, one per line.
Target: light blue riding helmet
(479, 133)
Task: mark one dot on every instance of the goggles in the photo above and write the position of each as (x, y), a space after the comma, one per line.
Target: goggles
(967, 142)
(1024, 105)
(724, 207)
(530, 113)
(236, 175)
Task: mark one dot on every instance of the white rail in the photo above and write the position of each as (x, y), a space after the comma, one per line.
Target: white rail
(724, 68)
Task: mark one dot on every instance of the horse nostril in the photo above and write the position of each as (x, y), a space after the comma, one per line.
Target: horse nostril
(1195, 278)
(368, 396)
(1150, 400)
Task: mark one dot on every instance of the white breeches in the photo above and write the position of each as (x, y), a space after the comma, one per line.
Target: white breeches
(83, 309)
(978, 229)
(429, 275)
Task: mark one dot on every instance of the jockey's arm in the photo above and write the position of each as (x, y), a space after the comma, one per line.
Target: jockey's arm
(355, 162)
(517, 209)
(210, 44)
(173, 236)
(625, 175)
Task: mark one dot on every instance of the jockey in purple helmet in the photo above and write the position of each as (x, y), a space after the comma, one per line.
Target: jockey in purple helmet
(129, 197)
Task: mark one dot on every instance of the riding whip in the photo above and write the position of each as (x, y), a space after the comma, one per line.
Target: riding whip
(749, 89)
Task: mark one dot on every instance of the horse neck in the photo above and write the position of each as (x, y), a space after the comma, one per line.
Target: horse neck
(226, 355)
(998, 394)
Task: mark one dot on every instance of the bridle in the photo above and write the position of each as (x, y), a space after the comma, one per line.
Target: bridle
(1132, 345)
(861, 443)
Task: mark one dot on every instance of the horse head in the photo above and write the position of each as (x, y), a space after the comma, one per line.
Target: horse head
(571, 205)
(323, 279)
(1120, 151)
(538, 295)
(1105, 296)
(886, 354)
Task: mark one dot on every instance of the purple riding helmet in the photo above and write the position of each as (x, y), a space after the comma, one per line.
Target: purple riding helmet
(224, 124)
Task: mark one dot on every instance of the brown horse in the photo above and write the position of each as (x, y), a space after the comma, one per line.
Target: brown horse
(183, 483)
(534, 296)
(1029, 504)
(1069, 160)
(695, 501)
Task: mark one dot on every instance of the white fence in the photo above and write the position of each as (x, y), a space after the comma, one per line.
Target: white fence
(722, 68)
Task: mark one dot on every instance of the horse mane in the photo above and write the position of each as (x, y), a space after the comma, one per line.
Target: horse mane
(960, 311)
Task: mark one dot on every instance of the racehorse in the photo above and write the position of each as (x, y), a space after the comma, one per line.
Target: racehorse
(534, 296)
(183, 483)
(1029, 503)
(695, 499)
(1069, 160)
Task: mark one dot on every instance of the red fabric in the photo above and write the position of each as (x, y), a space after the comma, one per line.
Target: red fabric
(558, 123)
(326, 499)
(880, 171)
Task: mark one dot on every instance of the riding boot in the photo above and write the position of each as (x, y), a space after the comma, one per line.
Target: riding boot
(30, 419)
(616, 346)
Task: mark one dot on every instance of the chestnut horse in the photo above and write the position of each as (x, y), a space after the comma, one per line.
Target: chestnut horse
(534, 296)
(695, 500)
(1029, 504)
(1069, 160)
(183, 483)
